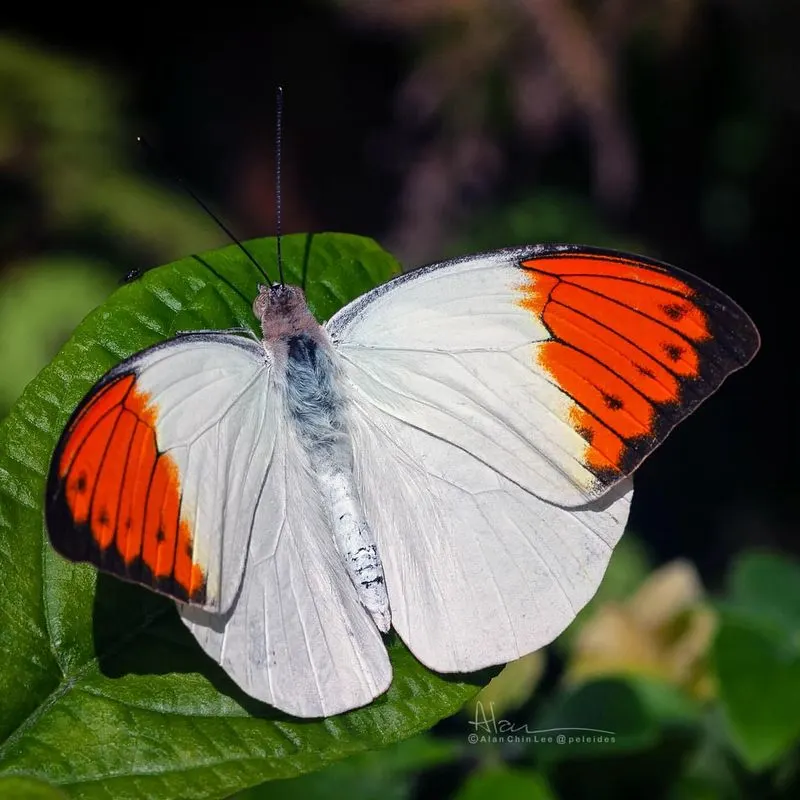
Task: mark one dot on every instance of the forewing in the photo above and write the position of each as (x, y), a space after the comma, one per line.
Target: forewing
(560, 367)
(297, 636)
(156, 476)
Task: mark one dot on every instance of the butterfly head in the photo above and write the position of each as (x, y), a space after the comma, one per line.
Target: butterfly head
(282, 311)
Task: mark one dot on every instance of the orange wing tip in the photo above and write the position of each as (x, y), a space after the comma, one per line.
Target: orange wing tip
(114, 500)
(651, 302)
(634, 346)
(100, 405)
(608, 265)
(78, 543)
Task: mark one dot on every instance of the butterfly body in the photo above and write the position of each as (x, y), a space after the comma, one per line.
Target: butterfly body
(315, 402)
(450, 454)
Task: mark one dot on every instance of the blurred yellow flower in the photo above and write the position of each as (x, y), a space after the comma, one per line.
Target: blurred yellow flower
(663, 630)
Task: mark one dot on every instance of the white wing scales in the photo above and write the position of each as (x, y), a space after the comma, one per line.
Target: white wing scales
(484, 448)
(479, 571)
(488, 520)
(436, 308)
(297, 636)
(215, 504)
(213, 422)
(451, 351)
(156, 476)
(487, 402)
(487, 425)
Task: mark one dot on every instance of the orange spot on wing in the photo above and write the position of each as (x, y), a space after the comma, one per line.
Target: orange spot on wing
(604, 449)
(570, 265)
(81, 479)
(675, 312)
(161, 518)
(656, 340)
(126, 492)
(187, 574)
(536, 293)
(138, 471)
(625, 359)
(139, 403)
(108, 398)
(105, 502)
(624, 336)
(598, 390)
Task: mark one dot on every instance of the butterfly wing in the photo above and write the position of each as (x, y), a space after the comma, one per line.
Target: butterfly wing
(162, 461)
(479, 571)
(297, 637)
(180, 472)
(560, 367)
(503, 401)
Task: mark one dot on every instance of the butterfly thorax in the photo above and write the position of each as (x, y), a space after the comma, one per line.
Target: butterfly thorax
(283, 311)
(315, 400)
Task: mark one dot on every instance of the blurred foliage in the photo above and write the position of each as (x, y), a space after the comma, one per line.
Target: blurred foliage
(65, 153)
(549, 215)
(757, 656)
(510, 689)
(483, 69)
(41, 303)
(21, 787)
(505, 784)
(381, 774)
(75, 216)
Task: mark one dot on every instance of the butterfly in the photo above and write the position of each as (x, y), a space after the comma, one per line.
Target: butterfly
(449, 455)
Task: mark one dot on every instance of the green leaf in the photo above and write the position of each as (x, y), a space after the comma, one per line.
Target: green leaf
(387, 774)
(767, 586)
(616, 734)
(503, 783)
(104, 691)
(612, 715)
(22, 787)
(758, 670)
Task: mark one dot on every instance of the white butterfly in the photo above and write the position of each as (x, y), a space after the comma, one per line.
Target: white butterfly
(449, 455)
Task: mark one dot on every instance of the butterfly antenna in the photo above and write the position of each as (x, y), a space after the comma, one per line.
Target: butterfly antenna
(182, 183)
(278, 137)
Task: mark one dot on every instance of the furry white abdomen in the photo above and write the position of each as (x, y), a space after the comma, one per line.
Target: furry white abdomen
(316, 407)
(356, 543)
